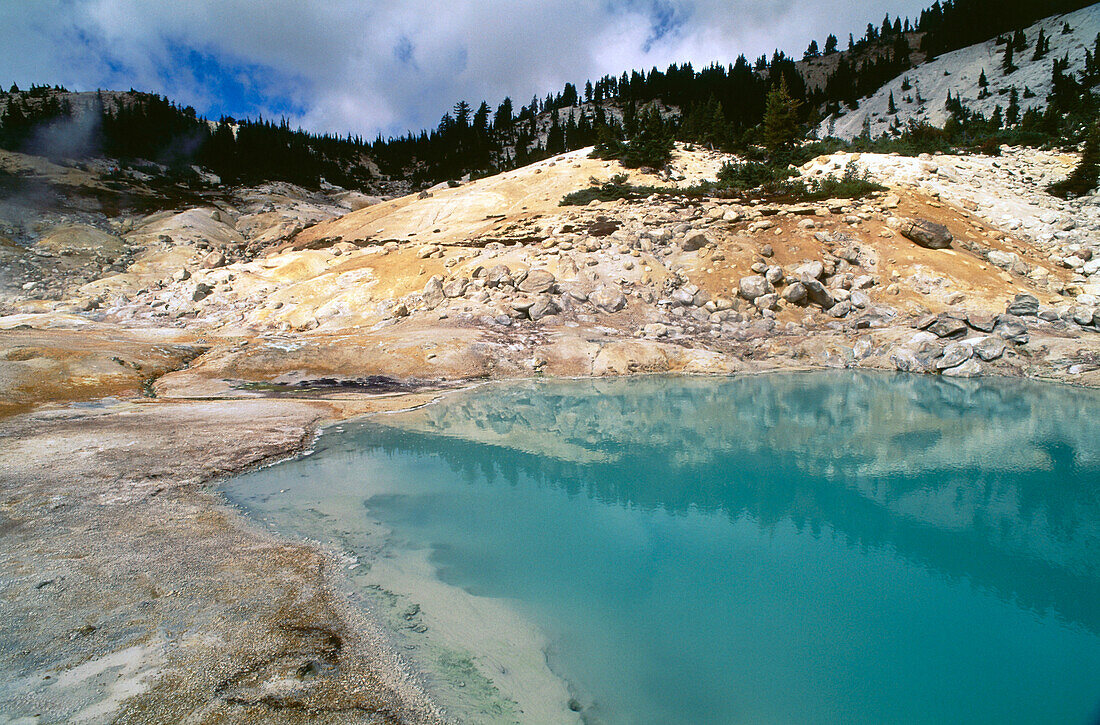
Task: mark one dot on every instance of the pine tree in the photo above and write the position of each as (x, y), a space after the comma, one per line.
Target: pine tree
(983, 82)
(1019, 41)
(892, 109)
(1040, 46)
(1007, 65)
(830, 44)
(780, 117)
(811, 51)
(1012, 113)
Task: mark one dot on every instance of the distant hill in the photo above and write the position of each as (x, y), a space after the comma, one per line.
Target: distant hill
(920, 93)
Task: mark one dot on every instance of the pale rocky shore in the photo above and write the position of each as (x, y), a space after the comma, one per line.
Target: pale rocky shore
(143, 356)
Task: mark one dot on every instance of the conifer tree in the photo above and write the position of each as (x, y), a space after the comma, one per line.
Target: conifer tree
(780, 118)
(1012, 113)
(1006, 64)
(830, 44)
(1040, 46)
(892, 109)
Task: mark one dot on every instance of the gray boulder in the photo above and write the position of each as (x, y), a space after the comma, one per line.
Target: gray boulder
(795, 293)
(955, 353)
(968, 369)
(1023, 305)
(542, 307)
(946, 326)
(1011, 328)
(926, 233)
(817, 292)
(990, 348)
(498, 275)
(694, 241)
(754, 286)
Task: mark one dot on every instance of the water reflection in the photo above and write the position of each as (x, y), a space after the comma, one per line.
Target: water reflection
(991, 481)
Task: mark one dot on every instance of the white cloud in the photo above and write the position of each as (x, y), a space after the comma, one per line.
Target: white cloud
(366, 66)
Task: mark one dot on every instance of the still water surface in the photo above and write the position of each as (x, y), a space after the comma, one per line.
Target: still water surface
(826, 547)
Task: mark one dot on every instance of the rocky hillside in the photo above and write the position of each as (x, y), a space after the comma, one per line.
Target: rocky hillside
(920, 94)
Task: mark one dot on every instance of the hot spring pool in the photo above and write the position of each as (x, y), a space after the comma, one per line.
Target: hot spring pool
(828, 547)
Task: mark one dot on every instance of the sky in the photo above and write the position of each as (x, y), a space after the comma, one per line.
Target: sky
(386, 66)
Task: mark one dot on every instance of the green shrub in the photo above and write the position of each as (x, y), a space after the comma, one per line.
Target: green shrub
(1083, 178)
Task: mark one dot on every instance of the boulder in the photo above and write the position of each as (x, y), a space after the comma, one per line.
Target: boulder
(968, 369)
(840, 309)
(926, 233)
(542, 307)
(989, 348)
(202, 291)
(498, 275)
(1011, 328)
(433, 292)
(754, 286)
(213, 260)
(608, 299)
(1083, 315)
(456, 287)
(537, 281)
(954, 353)
(682, 297)
(947, 326)
(795, 293)
(981, 321)
(817, 292)
(1023, 305)
(814, 270)
(694, 241)
(769, 301)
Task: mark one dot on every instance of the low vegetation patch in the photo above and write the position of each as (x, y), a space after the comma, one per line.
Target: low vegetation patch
(746, 180)
(616, 188)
